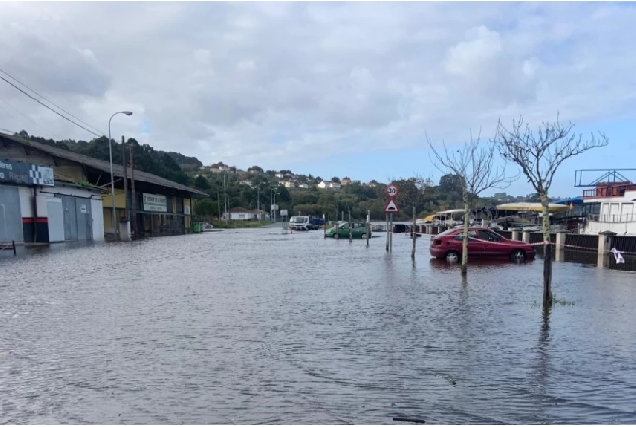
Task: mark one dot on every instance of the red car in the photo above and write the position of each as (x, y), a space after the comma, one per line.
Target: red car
(482, 242)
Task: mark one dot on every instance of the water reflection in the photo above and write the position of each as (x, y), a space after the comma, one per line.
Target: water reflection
(252, 326)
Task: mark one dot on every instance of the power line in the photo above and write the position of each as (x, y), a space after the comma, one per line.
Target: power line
(44, 105)
(48, 100)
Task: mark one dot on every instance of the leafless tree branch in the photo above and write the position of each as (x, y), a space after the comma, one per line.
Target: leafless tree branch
(540, 154)
(473, 163)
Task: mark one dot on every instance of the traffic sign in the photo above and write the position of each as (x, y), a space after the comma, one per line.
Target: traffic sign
(391, 190)
(391, 207)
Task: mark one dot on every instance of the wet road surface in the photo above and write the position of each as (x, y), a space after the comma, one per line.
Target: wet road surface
(252, 326)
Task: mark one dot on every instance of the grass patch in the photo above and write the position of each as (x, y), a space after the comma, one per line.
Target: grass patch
(555, 302)
(240, 224)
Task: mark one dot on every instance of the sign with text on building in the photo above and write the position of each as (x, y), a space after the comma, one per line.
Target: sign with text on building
(25, 173)
(155, 203)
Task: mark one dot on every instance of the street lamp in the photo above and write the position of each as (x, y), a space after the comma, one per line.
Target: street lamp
(275, 205)
(112, 177)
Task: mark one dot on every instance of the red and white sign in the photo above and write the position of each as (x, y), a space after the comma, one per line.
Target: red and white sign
(391, 190)
(391, 207)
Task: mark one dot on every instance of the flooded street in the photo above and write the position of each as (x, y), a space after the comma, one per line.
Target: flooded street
(252, 326)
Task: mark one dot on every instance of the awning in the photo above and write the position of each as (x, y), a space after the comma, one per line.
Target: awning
(534, 207)
(571, 200)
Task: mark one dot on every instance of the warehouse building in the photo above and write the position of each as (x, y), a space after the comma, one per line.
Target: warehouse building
(48, 195)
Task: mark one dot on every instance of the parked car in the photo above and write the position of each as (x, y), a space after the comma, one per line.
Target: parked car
(341, 231)
(482, 242)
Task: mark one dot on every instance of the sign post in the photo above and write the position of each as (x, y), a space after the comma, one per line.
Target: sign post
(391, 208)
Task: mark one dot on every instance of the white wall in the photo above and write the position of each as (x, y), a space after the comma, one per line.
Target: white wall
(26, 202)
(97, 210)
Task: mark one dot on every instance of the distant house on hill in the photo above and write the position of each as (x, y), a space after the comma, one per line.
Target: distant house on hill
(345, 181)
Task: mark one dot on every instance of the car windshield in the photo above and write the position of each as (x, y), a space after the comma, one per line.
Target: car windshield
(297, 219)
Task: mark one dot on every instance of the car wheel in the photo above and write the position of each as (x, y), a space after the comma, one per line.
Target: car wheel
(452, 256)
(518, 255)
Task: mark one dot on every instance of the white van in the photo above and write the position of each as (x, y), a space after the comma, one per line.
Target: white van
(299, 223)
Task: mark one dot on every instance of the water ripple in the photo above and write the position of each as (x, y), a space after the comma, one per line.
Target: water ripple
(257, 327)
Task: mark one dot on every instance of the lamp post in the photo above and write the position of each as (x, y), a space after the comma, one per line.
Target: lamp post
(275, 205)
(112, 177)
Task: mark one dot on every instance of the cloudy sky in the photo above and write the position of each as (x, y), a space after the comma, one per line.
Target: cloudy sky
(323, 88)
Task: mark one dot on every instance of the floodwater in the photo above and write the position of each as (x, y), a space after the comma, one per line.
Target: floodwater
(253, 326)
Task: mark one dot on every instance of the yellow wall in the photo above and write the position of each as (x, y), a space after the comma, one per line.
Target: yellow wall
(73, 172)
(120, 206)
(187, 202)
(120, 200)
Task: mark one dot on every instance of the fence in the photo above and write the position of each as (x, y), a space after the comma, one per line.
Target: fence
(581, 241)
(506, 234)
(8, 247)
(625, 244)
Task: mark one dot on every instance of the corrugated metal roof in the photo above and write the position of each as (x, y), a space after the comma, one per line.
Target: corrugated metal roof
(118, 170)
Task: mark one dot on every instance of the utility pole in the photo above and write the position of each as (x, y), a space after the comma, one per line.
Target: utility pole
(123, 156)
(258, 201)
(132, 187)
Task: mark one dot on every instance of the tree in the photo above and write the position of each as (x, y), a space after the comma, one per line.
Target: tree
(450, 182)
(473, 164)
(539, 156)
(201, 183)
(335, 179)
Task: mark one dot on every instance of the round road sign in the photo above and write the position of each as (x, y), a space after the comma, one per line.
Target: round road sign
(391, 190)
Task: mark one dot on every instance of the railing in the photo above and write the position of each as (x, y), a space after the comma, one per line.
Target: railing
(608, 218)
(614, 191)
(624, 244)
(581, 241)
(8, 247)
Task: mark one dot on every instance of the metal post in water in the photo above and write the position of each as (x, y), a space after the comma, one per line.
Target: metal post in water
(368, 226)
(390, 232)
(414, 235)
(387, 233)
(324, 218)
(350, 231)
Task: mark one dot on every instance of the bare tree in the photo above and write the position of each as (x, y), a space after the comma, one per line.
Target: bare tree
(473, 164)
(539, 156)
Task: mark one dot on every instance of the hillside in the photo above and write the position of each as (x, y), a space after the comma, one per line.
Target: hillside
(242, 187)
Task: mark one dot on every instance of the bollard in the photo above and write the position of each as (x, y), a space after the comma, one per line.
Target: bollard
(368, 226)
(387, 233)
(560, 239)
(350, 231)
(414, 231)
(605, 239)
(324, 218)
(525, 236)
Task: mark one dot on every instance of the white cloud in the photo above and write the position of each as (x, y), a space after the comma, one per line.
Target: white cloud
(268, 82)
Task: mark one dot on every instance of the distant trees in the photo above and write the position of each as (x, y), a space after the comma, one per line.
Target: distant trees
(146, 158)
(201, 183)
